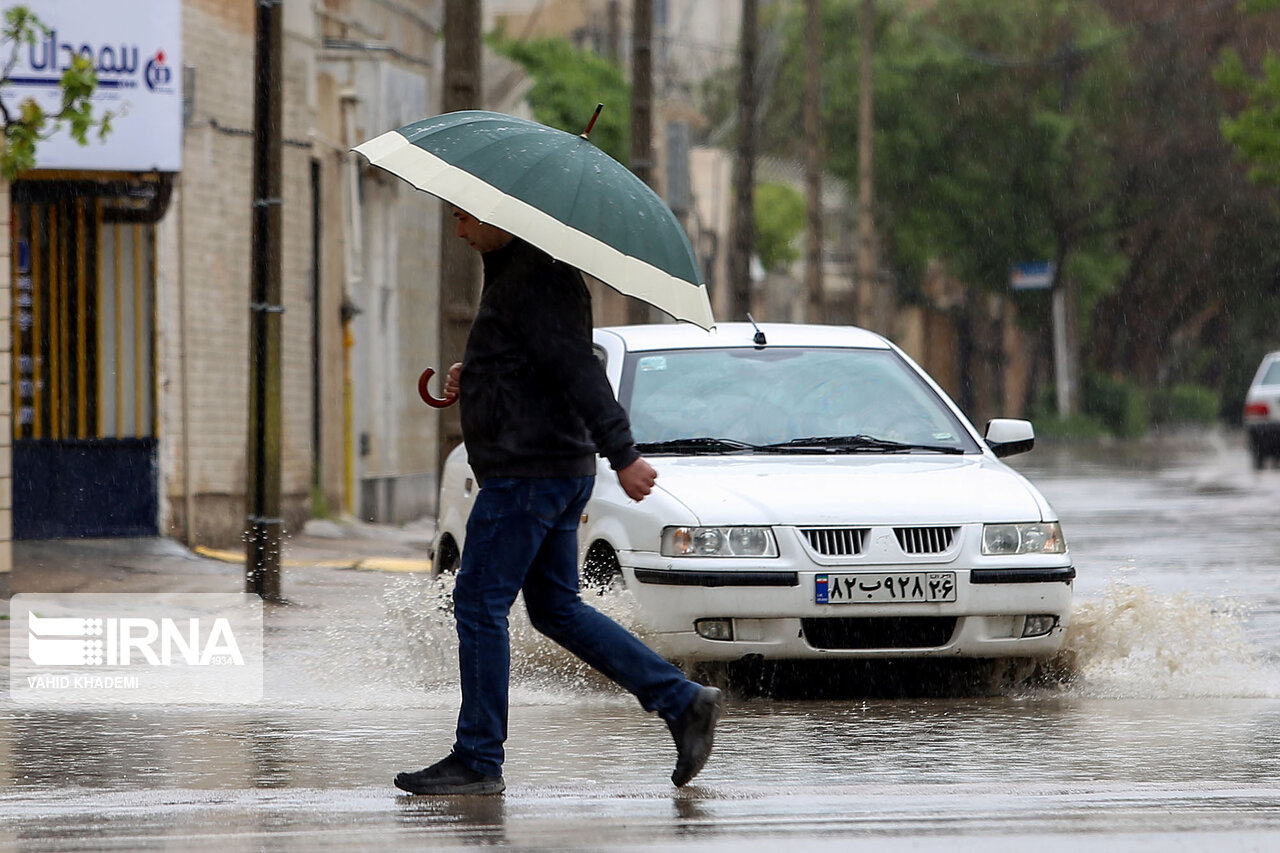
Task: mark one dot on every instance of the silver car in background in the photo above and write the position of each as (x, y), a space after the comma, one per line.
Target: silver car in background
(1262, 411)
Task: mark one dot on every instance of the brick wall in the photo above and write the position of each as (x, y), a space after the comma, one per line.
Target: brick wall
(205, 246)
(206, 249)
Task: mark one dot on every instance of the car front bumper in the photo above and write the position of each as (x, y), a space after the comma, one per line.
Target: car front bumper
(773, 612)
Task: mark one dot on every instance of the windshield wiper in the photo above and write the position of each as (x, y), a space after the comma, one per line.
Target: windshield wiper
(701, 445)
(705, 445)
(855, 444)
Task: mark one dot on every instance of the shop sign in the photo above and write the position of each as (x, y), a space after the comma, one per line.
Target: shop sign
(136, 49)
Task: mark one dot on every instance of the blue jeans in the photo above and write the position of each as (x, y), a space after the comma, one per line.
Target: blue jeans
(523, 535)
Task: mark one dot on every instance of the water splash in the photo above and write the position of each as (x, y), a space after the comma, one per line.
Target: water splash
(1132, 642)
(1127, 641)
(411, 653)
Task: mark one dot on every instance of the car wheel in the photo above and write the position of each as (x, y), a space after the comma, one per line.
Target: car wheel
(600, 568)
(448, 558)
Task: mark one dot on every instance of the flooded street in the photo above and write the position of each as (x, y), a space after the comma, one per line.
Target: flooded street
(1160, 729)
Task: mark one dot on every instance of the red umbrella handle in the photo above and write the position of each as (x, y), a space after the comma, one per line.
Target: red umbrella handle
(428, 397)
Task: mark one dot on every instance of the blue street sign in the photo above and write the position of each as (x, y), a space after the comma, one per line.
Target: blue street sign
(1033, 276)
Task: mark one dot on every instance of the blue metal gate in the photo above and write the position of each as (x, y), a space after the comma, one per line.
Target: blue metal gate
(84, 438)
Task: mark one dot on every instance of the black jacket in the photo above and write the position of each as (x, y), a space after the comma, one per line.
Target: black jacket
(535, 399)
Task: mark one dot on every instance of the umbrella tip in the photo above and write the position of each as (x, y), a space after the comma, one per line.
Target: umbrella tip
(592, 123)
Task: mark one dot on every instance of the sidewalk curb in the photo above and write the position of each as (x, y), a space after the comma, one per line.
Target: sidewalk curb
(374, 564)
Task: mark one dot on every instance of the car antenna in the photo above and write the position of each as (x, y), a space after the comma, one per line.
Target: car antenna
(759, 338)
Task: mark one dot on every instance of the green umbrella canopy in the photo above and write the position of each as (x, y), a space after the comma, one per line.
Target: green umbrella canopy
(559, 192)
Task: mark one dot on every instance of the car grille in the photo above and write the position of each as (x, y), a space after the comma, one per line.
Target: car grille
(836, 541)
(925, 540)
(879, 632)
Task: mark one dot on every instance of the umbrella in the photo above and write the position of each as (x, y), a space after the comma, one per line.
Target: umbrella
(557, 191)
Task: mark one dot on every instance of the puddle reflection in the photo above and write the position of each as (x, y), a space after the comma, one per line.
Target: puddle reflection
(473, 820)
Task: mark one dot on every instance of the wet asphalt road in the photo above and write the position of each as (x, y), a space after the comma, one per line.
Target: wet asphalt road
(1161, 732)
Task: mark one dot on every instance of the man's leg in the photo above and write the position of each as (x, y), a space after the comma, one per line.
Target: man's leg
(504, 533)
(502, 537)
(557, 610)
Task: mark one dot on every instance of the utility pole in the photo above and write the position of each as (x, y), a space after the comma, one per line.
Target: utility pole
(641, 115)
(813, 156)
(262, 498)
(459, 264)
(742, 215)
(613, 32)
(1066, 292)
(866, 178)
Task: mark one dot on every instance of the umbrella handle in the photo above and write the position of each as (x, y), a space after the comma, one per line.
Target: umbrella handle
(429, 398)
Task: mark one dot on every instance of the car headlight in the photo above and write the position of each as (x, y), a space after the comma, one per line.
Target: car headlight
(1041, 537)
(718, 542)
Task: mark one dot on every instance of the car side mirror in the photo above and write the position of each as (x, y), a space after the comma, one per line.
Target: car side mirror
(1009, 436)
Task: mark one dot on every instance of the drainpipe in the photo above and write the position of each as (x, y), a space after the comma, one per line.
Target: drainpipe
(184, 365)
(353, 259)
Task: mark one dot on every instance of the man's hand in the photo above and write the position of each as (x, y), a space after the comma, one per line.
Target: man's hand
(637, 479)
(451, 380)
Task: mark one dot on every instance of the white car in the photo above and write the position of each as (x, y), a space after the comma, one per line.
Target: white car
(1262, 411)
(818, 496)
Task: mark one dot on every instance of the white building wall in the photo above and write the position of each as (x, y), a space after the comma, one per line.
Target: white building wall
(385, 67)
(205, 253)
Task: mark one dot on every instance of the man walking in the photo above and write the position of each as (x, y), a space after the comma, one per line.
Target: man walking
(536, 409)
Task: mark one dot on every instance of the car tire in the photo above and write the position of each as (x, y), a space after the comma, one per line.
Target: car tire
(448, 557)
(600, 568)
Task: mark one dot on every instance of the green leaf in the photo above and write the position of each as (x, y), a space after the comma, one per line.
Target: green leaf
(779, 218)
(1254, 131)
(23, 132)
(568, 83)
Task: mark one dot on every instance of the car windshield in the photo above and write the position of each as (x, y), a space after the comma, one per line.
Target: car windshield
(784, 399)
(1271, 376)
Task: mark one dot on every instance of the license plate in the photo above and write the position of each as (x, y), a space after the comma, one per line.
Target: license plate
(897, 587)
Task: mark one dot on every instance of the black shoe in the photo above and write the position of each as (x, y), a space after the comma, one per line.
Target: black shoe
(449, 776)
(694, 732)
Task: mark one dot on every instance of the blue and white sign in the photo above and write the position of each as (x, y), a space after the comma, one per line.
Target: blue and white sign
(136, 49)
(1035, 276)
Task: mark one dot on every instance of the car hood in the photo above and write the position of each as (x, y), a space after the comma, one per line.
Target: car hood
(847, 489)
